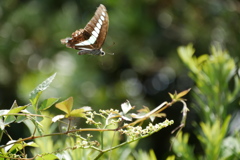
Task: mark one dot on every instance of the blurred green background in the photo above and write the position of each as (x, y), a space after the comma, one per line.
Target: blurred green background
(143, 35)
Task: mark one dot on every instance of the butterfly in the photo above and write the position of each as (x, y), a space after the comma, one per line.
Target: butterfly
(90, 39)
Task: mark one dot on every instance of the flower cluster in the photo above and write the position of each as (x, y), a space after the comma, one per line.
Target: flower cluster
(111, 117)
(86, 142)
(109, 111)
(135, 132)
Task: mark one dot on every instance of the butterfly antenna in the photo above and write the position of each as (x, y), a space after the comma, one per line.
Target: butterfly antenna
(111, 54)
(111, 46)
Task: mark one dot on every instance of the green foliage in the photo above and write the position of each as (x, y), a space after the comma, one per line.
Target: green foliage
(231, 147)
(47, 103)
(212, 136)
(217, 87)
(214, 76)
(67, 105)
(73, 141)
(181, 147)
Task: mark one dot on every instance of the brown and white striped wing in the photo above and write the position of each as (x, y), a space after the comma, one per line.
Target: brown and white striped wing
(93, 35)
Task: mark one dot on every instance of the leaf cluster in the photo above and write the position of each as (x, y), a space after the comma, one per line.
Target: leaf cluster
(215, 95)
(42, 125)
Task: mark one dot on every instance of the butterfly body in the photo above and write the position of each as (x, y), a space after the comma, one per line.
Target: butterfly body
(90, 39)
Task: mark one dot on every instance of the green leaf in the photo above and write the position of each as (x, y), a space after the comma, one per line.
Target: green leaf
(79, 112)
(144, 110)
(2, 152)
(48, 157)
(8, 147)
(47, 103)
(172, 157)
(11, 118)
(171, 96)
(178, 96)
(35, 94)
(152, 155)
(183, 93)
(20, 119)
(31, 144)
(66, 106)
(212, 136)
(186, 54)
(14, 105)
(15, 148)
(180, 145)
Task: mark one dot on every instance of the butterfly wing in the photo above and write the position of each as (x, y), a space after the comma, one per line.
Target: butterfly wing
(77, 37)
(93, 35)
(98, 26)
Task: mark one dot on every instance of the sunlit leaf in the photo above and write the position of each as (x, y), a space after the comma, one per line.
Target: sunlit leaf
(177, 96)
(65, 106)
(14, 105)
(159, 115)
(171, 95)
(48, 157)
(35, 94)
(86, 108)
(11, 143)
(47, 103)
(126, 106)
(2, 125)
(127, 117)
(152, 155)
(31, 144)
(172, 157)
(77, 113)
(183, 93)
(202, 58)
(3, 112)
(16, 147)
(186, 54)
(228, 144)
(21, 118)
(11, 118)
(18, 109)
(145, 109)
(2, 152)
(152, 118)
(58, 117)
(134, 115)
